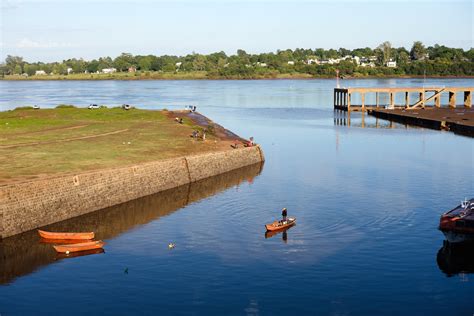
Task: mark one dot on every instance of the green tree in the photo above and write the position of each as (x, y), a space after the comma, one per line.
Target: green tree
(386, 49)
(418, 51)
(13, 62)
(124, 61)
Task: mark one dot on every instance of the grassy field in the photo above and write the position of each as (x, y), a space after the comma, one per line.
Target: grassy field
(38, 143)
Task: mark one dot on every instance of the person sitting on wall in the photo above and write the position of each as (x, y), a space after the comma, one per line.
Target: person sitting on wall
(249, 143)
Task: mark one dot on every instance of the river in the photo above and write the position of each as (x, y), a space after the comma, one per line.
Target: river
(367, 198)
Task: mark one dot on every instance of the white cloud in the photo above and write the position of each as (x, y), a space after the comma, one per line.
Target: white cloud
(28, 43)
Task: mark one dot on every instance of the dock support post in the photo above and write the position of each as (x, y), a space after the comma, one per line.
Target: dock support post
(452, 99)
(376, 99)
(407, 99)
(422, 99)
(392, 101)
(438, 99)
(348, 101)
(468, 99)
(362, 97)
(334, 99)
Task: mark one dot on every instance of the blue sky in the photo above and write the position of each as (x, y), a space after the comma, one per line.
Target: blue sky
(52, 30)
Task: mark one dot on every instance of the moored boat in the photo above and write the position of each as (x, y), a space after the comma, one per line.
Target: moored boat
(458, 224)
(66, 236)
(278, 225)
(79, 247)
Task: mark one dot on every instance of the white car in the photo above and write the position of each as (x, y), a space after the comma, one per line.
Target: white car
(93, 106)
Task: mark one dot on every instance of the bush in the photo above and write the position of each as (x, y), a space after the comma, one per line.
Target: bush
(65, 106)
(24, 108)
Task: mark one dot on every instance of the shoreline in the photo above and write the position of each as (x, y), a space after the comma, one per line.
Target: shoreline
(185, 78)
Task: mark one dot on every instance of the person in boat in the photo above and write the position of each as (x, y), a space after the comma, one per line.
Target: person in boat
(283, 215)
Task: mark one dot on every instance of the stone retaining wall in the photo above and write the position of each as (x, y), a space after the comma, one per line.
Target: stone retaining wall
(29, 205)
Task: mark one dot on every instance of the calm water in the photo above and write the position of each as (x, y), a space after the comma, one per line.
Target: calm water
(367, 200)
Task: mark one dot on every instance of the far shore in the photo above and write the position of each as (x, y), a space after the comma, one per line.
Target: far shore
(204, 76)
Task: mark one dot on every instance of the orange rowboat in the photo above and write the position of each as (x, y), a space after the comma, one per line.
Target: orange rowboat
(64, 236)
(277, 225)
(79, 247)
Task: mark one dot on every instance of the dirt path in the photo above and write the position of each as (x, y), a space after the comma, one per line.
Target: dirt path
(62, 140)
(49, 130)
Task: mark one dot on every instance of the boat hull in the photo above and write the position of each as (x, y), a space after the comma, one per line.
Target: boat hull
(457, 237)
(276, 225)
(79, 247)
(66, 236)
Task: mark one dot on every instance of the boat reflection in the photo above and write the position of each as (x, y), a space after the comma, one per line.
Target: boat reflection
(284, 232)
(456, 259)
(79, 254)
(24, 253)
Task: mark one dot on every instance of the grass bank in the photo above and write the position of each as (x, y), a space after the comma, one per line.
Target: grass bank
(38, 143)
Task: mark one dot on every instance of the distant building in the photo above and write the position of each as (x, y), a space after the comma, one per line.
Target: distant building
(259, 64)
(312, 61)
(391, 63)
(291, 63)
(132, 69)
(69, 70)
(40, 73)
(109, 70)
(178, 64)
(367, 64)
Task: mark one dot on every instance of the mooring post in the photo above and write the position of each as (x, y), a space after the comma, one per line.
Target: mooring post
(452, 99)
(407, 99)
(468, 99)
(392, 100)
(362, 97)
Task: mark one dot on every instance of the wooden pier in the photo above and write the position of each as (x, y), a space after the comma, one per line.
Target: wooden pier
(426, 110)
(343, 97)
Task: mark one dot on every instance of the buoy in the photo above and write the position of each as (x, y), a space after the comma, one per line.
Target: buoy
(171, 245)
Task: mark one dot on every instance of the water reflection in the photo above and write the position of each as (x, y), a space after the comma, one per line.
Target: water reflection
(284, 232)
(363, 120)
(24, 253)
(80, 253)
(456, 259)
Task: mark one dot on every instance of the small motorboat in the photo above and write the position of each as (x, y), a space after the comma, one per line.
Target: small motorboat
(79, 247)
(64, 236)
(458, 224)
(278, 225)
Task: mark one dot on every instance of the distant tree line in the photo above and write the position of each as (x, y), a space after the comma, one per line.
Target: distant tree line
(437, 60)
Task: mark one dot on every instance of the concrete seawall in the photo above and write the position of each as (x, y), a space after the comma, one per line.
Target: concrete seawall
(29, 205)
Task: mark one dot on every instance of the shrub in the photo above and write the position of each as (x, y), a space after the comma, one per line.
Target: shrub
(65, 106)
(24, 108)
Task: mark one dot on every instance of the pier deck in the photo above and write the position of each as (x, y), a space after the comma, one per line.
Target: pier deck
(457, 120)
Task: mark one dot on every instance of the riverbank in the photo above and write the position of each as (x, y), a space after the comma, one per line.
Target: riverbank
(203, 75)
(41, 143)
(65, 162)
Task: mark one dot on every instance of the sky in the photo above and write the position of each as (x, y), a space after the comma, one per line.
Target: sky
(53, 30)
